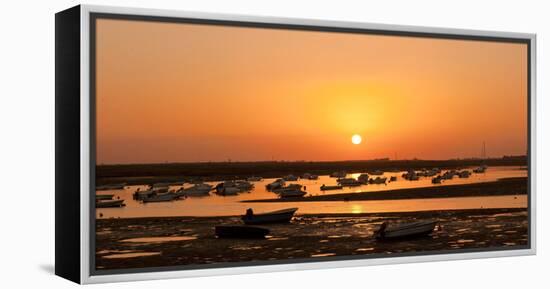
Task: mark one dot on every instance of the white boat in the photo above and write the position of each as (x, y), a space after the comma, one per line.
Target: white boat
(378, 181)
(110, 204)
(229, 191)
(275, 185)
(198, 190)
(167, 197)
(233, 187)
(140, 195)
(280, 216)
(407, 230)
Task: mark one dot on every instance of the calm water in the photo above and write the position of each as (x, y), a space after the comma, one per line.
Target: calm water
(215, 205)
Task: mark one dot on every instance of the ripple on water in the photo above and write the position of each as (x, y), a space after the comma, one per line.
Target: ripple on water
(364, 249)
(323, 255)
(277, 238)
(246, 248)
(464, 241)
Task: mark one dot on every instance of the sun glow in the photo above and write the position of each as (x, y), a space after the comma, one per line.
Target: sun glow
(356, 139)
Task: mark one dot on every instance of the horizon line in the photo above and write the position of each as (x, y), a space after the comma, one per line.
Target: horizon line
(309, 161)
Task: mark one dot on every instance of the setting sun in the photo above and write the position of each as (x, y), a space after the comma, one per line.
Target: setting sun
(356, 139)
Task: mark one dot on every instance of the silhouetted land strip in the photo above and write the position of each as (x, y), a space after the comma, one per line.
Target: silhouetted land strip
(306, 238)
(134, 174)
(507, 186)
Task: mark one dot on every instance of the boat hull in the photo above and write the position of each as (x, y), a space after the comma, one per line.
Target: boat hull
(104, 197)
(331, 188)
(283, 216)
(292, 194)
(160, 198)
(241, 232)
(411, 230)
(110, 204)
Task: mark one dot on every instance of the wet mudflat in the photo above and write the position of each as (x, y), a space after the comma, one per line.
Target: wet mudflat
(174, 241)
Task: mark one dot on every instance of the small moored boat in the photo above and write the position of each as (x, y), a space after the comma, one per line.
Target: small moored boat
(329, 188)
(292, 194)
(140, 195)
(378, 180)
(198, 190)
(407, 230)
(349, 182)
(104, 197)
(291, 187)
(168, 197)
(280, 216)
(110, 204)
(275, 185)
(363, 178)
(241, 232)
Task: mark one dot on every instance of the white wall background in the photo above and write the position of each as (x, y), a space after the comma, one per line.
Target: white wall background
(27, 142)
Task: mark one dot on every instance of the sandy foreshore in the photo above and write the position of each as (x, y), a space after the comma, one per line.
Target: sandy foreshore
(191, 240)
(502, 187)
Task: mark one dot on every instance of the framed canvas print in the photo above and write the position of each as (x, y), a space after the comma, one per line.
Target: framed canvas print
(192, 144)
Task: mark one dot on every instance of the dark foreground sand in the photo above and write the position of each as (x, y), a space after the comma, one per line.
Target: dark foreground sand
(307, 236)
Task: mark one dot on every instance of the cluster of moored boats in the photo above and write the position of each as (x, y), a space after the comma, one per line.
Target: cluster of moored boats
(283, 190)
(363, 179)
(463, 174)
(161, 192)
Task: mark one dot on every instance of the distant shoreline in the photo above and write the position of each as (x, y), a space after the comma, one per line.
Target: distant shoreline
(135, 174)
(507, 186)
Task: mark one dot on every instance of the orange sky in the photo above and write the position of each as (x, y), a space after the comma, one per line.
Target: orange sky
(171, 92)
